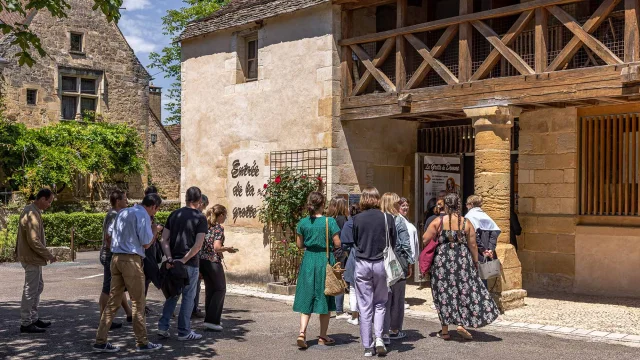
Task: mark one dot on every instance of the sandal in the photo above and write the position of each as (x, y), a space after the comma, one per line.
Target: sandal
(464, 333)
(302, 341)
(325, 341)
(445, 337)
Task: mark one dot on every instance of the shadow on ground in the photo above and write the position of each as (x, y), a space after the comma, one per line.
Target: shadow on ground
(74, 328)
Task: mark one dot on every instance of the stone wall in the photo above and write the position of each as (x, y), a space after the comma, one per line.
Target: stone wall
(164, 161)
(123, 81)
(547, 198)
(224, 118)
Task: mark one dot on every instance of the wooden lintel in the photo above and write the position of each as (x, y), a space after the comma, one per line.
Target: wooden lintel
(358, 4)
(456, 20)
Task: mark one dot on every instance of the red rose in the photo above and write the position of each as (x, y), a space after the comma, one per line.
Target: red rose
(278, 180)
(304, 176)
(265, 186)
(320, 178)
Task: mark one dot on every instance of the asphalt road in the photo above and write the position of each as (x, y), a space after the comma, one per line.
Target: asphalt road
(254, 328)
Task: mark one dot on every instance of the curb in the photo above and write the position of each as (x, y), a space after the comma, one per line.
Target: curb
(502, 324)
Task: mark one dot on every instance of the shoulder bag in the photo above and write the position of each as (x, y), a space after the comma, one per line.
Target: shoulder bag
(391, 264)
(334, 285)
(426, 256)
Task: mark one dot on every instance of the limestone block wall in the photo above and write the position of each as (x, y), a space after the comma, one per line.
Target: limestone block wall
(164, 161)
(547, 198)
(228, 121)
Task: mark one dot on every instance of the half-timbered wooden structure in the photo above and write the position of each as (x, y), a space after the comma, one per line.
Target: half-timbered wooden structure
(540, 98)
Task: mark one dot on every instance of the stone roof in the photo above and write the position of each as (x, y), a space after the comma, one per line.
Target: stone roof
(242, 12)
(174, 132)
(12, 18)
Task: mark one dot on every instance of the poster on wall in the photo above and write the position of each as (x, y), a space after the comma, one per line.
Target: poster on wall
(442, 175)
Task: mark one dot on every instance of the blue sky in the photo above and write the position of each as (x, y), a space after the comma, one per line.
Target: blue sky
(141, 24)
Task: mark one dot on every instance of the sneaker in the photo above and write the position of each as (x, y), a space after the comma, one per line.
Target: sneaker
(380, 348)
(31, 329)
(386, 339)
(105, 348)
(369, 352)
(163, 333)
(42, 324)
(398, 335)
(115, 325)
(406, 306)
(343, 316)
(355, 321)
(213, 327)
(190, 336)
(149, 347)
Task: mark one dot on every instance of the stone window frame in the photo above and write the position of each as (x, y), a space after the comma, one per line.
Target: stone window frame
(80, 74)
(28, 92)
(82, 42)
(240, 44)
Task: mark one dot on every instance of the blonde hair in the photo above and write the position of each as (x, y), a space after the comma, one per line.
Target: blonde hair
(390, 203)
(475, 201)
(214, 212)
(370, 199)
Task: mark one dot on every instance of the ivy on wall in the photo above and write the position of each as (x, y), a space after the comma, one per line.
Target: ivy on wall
(56, 154)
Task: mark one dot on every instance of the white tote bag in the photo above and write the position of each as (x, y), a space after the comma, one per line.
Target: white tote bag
(391, 264)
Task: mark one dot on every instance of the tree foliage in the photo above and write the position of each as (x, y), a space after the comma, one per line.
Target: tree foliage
(169, 59)
(57, 154)
(27, 40)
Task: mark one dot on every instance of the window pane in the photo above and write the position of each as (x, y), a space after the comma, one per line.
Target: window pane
(69, 84)
(69, 105)
(87, 104)
(253, 69)
(88, 86)
(32, 96)
(252, 49)
(76, 42)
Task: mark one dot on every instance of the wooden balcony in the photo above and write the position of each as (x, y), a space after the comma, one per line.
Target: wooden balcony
(540, 53)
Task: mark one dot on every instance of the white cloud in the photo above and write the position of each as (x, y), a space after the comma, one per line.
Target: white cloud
(136, 4)
(141, 45)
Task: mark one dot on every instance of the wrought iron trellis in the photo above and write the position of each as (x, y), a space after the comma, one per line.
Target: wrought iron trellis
(312, 162)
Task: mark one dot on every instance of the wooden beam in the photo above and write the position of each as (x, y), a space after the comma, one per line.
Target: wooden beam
(631, 34)
(594, 44)
(439, 67)
(347, 56)
(508, 53)
(380, 58)
(465, 37)
(456, 20)
(541, 38)
(493, 58)
(359, 4)
(384, 81)
(436, 51)
(589, 26)
(401, 70)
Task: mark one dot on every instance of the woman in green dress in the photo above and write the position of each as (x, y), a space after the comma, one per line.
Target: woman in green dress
(310, 297)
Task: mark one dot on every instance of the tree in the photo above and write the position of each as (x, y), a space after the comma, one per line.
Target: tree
(27, 40)
(169, 60)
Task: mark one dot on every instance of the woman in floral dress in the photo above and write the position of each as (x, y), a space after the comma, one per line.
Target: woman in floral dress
(458, 293)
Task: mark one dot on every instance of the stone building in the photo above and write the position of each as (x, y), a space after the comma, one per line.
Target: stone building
(536, 100)
(90, 74)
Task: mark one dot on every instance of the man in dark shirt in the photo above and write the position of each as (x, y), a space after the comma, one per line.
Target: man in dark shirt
(182, 239)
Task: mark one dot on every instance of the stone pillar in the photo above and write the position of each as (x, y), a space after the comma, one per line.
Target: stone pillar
(493, 124)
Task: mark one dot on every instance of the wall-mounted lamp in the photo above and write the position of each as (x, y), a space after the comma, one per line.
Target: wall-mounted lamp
(154, 139)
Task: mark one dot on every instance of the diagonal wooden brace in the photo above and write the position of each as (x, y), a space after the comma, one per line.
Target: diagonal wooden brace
(372, 67)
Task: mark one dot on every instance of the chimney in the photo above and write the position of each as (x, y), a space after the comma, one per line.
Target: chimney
(155, 101)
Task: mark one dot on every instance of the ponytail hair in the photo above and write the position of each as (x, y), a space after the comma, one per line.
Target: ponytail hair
(315, 203)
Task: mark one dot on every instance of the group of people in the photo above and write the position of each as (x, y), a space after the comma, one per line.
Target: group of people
(361, 239)
(133, 247)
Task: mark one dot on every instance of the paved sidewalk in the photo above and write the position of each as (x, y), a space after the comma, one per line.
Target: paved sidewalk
(535, 318)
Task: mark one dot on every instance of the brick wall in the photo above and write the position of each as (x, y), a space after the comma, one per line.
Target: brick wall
(547, 198)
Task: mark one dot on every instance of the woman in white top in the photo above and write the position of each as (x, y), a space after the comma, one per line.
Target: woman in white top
(413, 235)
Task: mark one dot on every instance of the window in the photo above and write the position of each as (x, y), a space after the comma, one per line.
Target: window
(251, 64)
(609, 171)
(32, 96)
(76, 42)
(79, 96)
